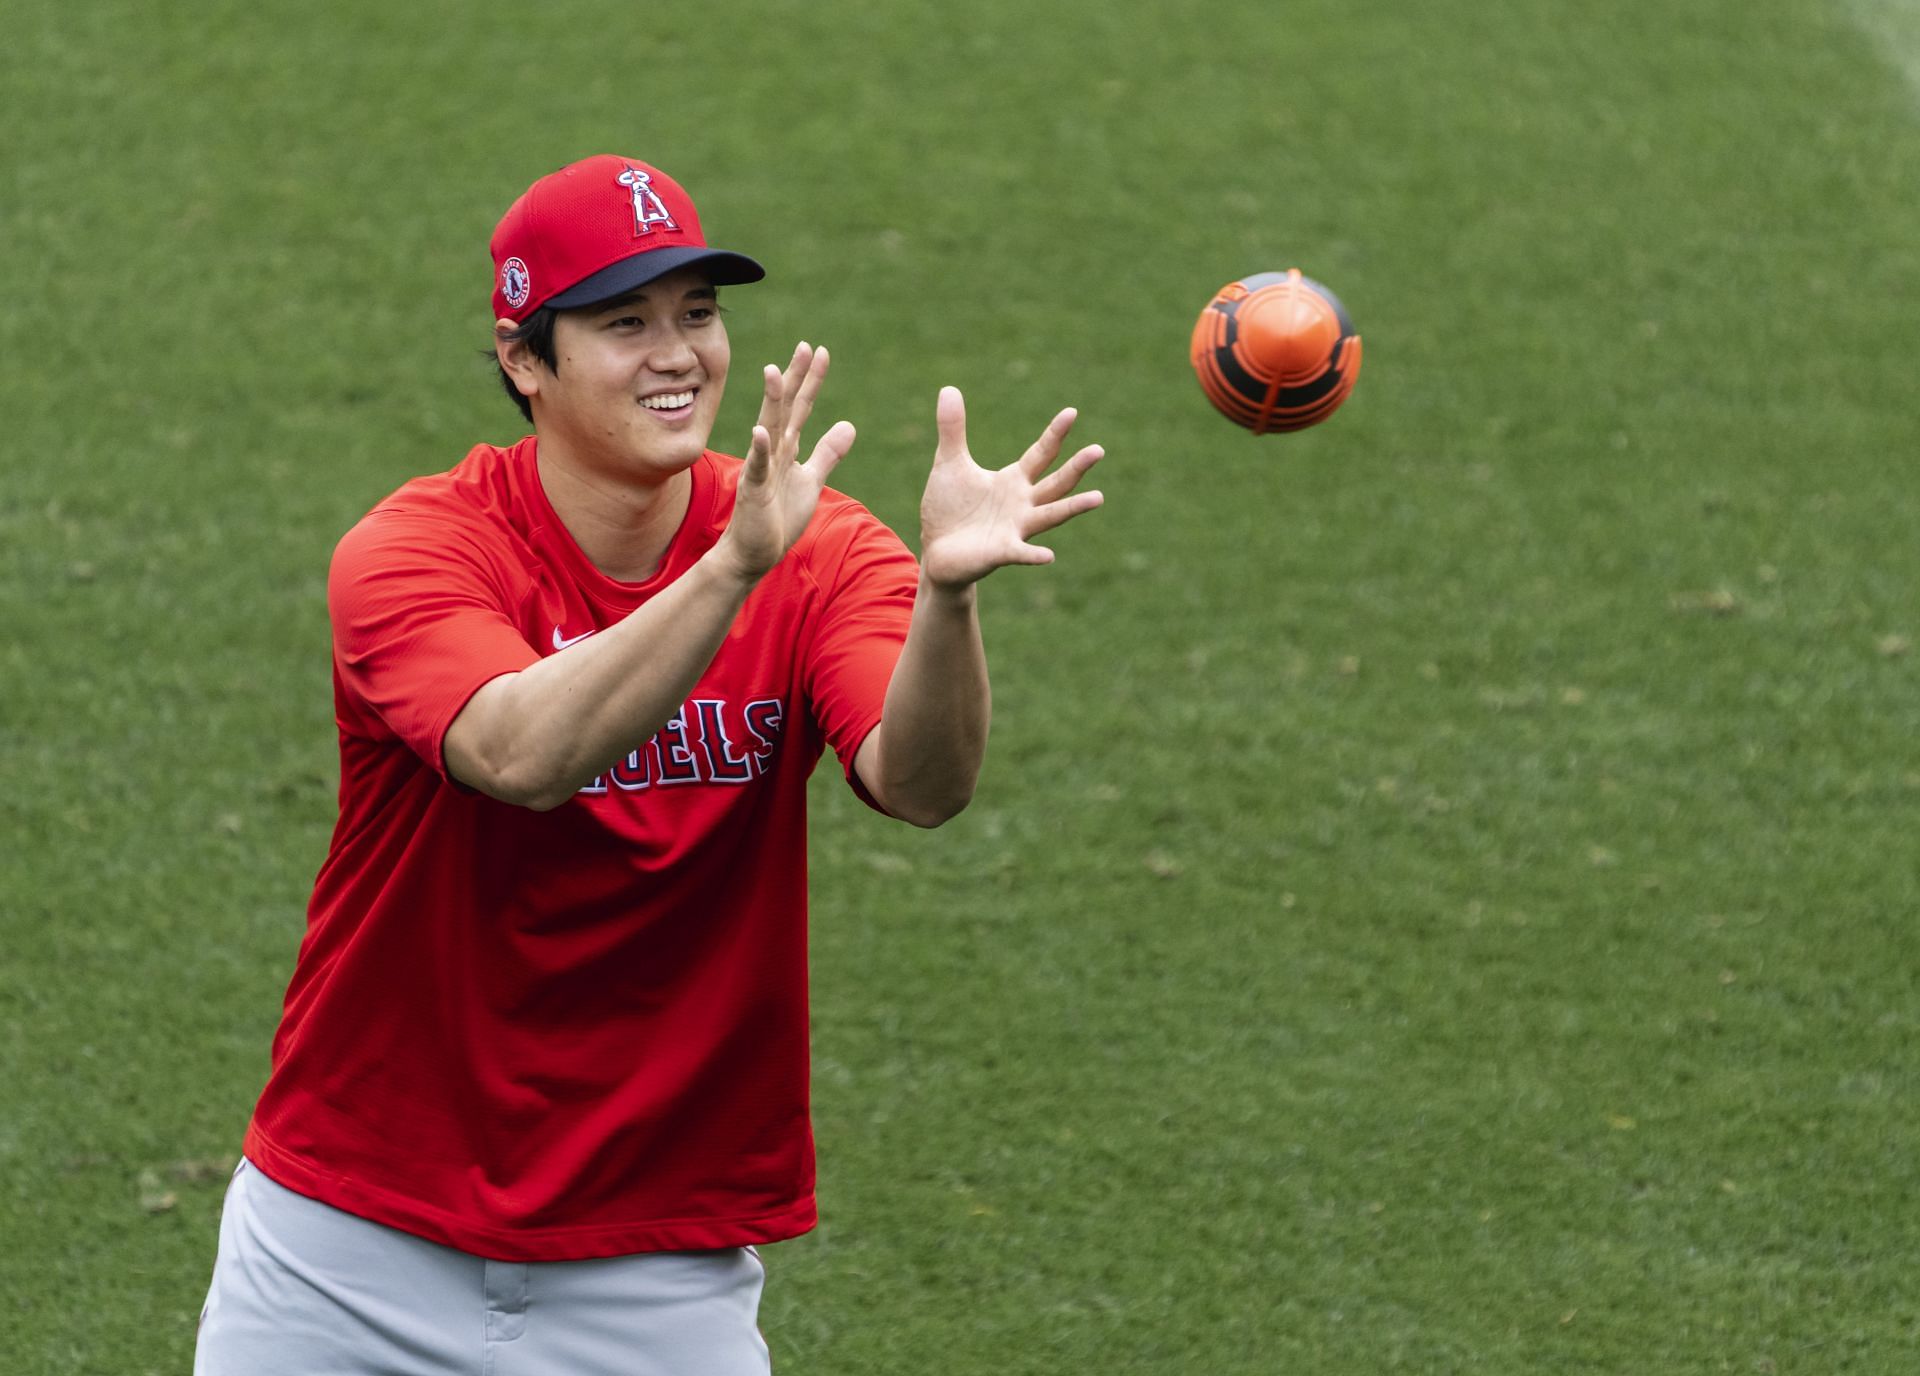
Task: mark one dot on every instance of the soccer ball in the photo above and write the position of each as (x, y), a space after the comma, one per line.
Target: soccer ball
(1275, 352)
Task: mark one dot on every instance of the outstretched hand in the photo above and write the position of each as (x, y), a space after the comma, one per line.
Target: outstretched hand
(974, 520)
(777, 493)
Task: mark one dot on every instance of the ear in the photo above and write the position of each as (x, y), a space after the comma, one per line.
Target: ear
(516, 358)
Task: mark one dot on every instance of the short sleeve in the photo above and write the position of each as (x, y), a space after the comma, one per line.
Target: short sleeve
(421, 620)
(868, 582)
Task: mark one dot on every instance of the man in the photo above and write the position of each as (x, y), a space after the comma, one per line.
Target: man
(541, 1080)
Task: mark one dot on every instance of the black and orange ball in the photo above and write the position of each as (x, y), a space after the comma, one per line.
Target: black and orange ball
(1276, 352)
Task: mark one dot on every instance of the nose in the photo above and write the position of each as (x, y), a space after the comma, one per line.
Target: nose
(674, 354)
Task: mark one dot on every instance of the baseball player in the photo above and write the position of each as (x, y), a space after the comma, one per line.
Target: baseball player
(540, 1084)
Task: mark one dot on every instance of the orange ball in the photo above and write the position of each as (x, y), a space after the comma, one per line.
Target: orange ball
(1276, 351)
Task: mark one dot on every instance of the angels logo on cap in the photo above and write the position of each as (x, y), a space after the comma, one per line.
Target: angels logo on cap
(516, 284)
(647, 209)
(596, 229)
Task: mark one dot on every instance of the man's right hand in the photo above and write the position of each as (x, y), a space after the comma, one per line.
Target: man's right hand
(777, 493)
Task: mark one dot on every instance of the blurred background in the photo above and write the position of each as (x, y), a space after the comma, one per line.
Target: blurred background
(1442, 895)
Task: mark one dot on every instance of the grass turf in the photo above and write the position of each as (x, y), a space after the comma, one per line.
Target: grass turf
(1440, 896)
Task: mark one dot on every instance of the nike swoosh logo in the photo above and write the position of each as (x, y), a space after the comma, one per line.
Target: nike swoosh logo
(561, 642)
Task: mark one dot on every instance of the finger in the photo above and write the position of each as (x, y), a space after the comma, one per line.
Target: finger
(796, 367)
(1046, 449)
(1067, 476)
(1055, 514)
(772, 382)
(810, 382)
(777, 387)
(1030, 554)
(830, 449)
(759, 456)
(950, 416)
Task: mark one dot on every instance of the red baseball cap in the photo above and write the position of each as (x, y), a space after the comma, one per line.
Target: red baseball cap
(597, 228)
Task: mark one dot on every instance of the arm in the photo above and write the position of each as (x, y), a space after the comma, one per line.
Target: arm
(920, 763)
(535, 737)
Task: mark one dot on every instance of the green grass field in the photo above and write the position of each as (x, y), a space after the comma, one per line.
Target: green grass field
(1442, 895)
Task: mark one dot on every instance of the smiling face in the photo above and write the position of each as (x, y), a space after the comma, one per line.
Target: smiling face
(637, 380)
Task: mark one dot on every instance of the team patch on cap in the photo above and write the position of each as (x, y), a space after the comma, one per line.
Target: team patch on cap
(648, 209)
(516, 283)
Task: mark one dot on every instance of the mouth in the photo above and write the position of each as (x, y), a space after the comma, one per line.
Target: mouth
(671, 405)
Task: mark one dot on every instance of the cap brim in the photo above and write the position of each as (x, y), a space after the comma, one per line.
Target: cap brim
(723, 269)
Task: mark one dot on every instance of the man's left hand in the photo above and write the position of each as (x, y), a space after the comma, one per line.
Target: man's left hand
(974, 520)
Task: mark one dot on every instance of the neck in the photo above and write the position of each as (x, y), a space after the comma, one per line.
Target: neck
(623, 527)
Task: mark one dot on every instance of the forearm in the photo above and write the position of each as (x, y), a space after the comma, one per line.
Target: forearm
(537, 736)
(921, 761)
(933, 732)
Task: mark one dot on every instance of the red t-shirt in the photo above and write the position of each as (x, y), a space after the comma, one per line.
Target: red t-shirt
(540, 1036)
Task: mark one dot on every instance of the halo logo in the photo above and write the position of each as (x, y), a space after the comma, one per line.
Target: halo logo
(648, 209)
(516, 283)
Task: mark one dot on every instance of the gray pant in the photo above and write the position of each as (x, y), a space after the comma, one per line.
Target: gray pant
(302, 1289)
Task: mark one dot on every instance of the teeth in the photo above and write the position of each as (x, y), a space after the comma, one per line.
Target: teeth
(667, 401)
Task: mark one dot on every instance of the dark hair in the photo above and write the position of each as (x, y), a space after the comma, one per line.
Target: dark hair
(536, 332)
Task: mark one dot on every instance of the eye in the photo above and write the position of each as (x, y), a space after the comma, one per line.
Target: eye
(701, 314)
(626, 322)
